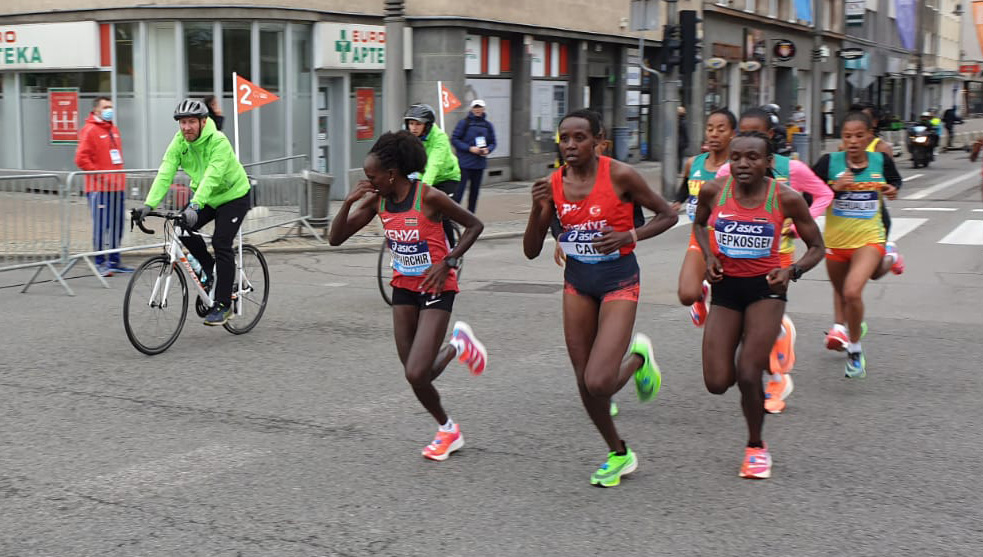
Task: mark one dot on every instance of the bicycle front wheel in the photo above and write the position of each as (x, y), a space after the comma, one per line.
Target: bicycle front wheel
(250, 292)
(155, 305)
(384, 272)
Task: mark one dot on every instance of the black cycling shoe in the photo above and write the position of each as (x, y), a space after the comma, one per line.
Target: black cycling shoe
(219, 315)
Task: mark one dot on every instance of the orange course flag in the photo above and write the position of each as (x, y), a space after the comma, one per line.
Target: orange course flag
(448, 101)
(250, 96)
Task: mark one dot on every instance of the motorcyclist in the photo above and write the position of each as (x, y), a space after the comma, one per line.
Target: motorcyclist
(926, 119)
(779, 133)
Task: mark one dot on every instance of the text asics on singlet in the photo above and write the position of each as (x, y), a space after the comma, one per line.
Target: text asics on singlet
(416, 242)
(584, 220)
(746, 240)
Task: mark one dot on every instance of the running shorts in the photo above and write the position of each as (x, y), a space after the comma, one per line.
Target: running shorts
(844, 255)
(737, 293)
(605, 281)
(423, 300)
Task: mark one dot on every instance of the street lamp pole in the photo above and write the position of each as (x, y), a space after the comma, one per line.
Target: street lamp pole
(919, 90)
(817, 125)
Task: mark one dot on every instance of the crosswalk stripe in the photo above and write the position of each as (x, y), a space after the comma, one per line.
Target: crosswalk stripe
(922, 194)
(935, 209)
(968, 233)
(900, 226)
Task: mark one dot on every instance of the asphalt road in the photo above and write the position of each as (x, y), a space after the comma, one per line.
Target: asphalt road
(302, 438)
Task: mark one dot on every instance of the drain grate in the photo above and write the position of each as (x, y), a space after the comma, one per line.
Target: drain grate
(522, 287)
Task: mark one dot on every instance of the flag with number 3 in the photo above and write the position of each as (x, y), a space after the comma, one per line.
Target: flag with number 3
(250, 96)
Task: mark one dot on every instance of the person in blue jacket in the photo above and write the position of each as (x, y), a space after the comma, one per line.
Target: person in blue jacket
(474, 140)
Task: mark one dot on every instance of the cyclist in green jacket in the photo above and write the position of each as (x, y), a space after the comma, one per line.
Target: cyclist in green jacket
(221, 193)
(442, 171)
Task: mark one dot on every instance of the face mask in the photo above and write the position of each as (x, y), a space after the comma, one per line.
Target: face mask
(107, 115)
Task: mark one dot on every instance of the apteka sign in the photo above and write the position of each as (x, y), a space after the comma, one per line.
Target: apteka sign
(49, 46)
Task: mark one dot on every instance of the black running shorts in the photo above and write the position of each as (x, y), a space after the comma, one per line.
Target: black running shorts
(423, 300)
(737, 293)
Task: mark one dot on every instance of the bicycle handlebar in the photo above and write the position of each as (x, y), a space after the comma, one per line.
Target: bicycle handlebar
(166, 215)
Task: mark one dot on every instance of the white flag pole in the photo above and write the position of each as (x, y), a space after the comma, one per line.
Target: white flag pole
(235, 111)
(440, 102)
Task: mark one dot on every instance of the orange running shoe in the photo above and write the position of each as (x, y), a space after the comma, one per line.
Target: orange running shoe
(757, 464)
(777, 390)
(783, 352)
(898, 266)
(444, 444)
(699, 310)
(836, 340)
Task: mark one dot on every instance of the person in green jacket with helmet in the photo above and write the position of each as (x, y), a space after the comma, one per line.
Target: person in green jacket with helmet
(442, 171)
(221, 193)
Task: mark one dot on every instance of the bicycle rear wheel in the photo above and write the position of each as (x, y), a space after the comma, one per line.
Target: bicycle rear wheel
(384, 272)
(250, 291)
(155, 305)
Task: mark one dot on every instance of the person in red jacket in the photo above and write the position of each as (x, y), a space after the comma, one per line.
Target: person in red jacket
(101, 148)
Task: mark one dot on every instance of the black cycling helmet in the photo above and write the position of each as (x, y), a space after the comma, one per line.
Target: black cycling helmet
(192, 108)
(423, 113)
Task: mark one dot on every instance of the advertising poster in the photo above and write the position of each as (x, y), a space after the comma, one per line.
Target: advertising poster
(63, 107)
(364, 113)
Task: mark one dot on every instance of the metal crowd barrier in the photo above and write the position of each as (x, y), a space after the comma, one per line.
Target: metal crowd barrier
(32, 231)
(46, 220)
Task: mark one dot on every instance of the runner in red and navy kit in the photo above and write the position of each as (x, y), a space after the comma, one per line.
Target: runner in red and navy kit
(424, 270)
(593, 197)
(746, 212)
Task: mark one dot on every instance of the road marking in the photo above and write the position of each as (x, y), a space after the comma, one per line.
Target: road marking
(335, 284)
(969, 233)
(939, 187)
(912, 177)
(683, 221)
(937, 209)
(900, 226)
(978, 210)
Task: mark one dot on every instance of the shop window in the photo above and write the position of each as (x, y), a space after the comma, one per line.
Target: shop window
(39, 153)
(367, 123)
(163, 66)
(270, 59)
(236, 53)
(549, 104)
(198, 49)
(125, 33)
(301, 91)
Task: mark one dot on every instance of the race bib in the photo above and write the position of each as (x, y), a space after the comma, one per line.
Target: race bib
(480, 142)
(115, 156)
(691, 204)
(855, 204)
(411, 259)
(579, 244)
(744, 240)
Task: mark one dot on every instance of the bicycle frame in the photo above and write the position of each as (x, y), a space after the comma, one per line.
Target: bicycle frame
(176, 254)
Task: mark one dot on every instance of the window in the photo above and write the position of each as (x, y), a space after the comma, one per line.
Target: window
(270, 59)
(301, 37)
(360, 147)
(198, 48)
(124, 57)
(236, 53)
(549, 104)
(162, 67)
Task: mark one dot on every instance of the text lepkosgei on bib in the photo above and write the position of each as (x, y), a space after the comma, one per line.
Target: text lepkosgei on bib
(744, 240)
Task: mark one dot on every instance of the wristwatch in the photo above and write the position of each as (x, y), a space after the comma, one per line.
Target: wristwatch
(796, 272)
(452, 262)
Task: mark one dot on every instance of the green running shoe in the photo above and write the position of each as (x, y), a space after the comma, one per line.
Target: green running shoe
(648, 378)
(863, 329)
(614, 409)
(856, 365)
(609, 474)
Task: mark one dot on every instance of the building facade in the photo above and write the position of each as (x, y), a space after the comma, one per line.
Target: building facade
(326, 60)
(760, 51)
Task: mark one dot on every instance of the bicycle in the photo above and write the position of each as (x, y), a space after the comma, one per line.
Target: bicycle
(163, 313)
(384, 266)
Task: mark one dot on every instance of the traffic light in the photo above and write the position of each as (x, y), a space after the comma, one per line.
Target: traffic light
(689, 52)
(669, 54)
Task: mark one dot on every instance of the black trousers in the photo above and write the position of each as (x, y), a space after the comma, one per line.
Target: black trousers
(472, 176)
(228, 218)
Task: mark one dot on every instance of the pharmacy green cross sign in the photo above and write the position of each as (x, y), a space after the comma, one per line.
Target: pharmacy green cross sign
(343, 46)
